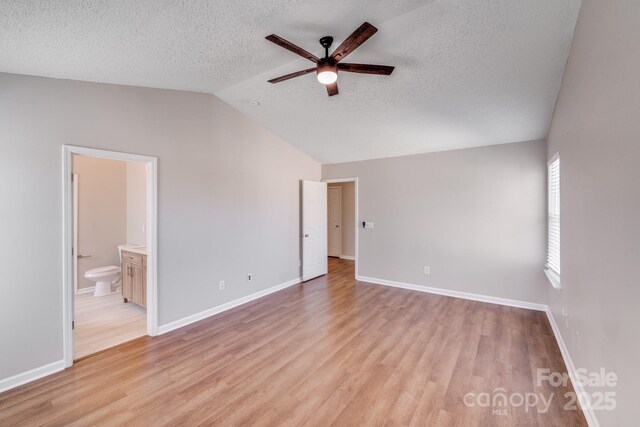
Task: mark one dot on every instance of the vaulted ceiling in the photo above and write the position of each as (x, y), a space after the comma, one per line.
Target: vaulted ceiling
(468, 72)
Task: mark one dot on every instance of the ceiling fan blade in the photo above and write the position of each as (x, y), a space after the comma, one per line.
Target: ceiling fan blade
(292, 47)
(383, 70)
(292, 75)
(332, 88)
(358, 37)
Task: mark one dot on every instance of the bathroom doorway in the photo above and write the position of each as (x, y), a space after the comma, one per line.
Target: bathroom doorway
(109, 249)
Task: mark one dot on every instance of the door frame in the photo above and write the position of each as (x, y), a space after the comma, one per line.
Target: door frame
(68, 151)
(355, 181)
(339, 217)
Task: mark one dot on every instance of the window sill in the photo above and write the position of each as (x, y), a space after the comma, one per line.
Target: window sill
(554, 279)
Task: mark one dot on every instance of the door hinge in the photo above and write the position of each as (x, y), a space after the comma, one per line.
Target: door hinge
(71, 177)
(72, 251)
(73, 324)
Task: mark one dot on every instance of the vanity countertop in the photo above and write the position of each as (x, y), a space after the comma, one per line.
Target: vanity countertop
(142, 250)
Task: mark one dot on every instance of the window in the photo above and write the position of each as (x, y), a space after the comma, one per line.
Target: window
(553, 249)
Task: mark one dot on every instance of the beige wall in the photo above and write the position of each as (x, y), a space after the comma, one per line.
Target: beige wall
(348, 206)
(136, 203)
(228, 200)
(596, 130)
(476, 217)
(102, 212)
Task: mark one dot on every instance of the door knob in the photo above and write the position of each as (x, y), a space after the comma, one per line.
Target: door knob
(306, 235)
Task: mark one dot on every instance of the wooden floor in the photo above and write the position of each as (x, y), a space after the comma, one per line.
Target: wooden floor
(104, 322)
(327, 352)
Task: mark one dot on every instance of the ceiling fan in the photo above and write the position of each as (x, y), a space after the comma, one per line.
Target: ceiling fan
(327, 67)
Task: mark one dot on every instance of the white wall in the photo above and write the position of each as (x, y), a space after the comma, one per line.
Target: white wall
(596, 130)
(228, 200)
(102, 213)
(136, 203)
(348, 207)
(476, 217)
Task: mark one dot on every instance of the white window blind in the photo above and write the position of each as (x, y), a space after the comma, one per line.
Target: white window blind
(553, 250)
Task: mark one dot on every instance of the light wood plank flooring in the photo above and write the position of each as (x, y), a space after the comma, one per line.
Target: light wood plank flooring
(104, 322)
(327, 352)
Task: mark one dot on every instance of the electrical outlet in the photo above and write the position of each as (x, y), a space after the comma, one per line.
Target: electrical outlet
(427, 270)
(221, 284)
(249, 277)
(565, 318)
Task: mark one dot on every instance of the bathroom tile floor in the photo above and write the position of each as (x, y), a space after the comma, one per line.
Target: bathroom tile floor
(103, 322)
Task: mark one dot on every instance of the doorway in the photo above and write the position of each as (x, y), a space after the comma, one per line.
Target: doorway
(109, 253)
(342, 219)
(334, 220)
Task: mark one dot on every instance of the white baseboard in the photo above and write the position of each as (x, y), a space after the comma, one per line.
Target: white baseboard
(589, 415)
(455, 294)
(32, 375)
(349, 257)
(224, 307)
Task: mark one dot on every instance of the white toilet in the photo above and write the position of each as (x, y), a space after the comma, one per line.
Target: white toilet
(104, 278)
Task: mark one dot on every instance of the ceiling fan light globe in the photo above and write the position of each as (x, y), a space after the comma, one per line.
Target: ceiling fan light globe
(327, 77)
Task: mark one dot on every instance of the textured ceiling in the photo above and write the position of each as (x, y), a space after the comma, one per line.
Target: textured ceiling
(468, 72)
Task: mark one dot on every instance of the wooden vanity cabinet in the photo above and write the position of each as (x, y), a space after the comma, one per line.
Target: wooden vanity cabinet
(134, 278)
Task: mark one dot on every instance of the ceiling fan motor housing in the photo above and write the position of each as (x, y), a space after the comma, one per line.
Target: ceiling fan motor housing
(327, 64)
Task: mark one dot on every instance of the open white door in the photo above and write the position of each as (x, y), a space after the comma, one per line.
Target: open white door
(314, 229)
(74, 251)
